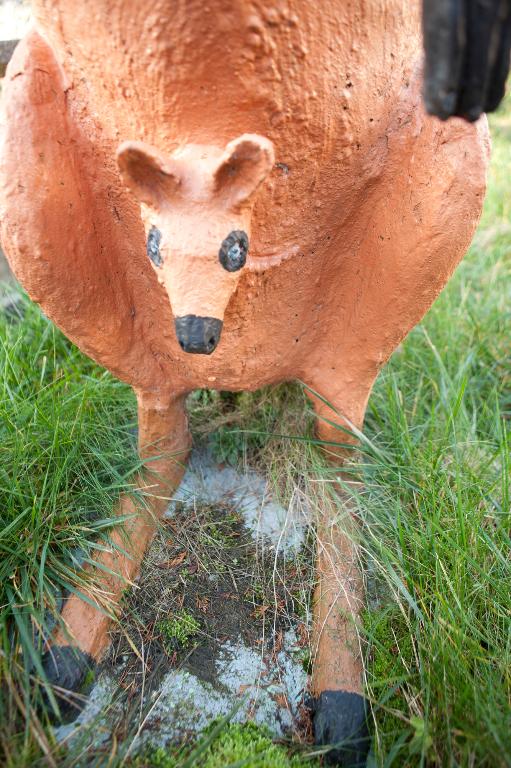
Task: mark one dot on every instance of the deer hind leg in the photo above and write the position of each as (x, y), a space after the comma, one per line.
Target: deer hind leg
(82, 636)
(340, 709)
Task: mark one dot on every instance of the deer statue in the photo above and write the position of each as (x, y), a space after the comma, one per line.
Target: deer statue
(229, 195)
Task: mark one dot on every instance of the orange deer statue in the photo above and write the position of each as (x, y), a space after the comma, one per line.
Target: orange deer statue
(227, 195)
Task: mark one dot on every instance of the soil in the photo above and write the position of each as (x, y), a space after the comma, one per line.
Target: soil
(206, 562)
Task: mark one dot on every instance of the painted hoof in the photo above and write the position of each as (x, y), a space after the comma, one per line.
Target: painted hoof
(340, 721)
(66, 668)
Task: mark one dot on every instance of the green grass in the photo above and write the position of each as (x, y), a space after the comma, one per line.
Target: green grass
(66, 453)
(435, 505)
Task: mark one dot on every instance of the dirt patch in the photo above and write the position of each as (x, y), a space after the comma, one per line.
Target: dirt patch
(204, 564)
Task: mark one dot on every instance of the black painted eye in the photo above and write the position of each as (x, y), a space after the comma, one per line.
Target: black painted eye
(153, 246)
(233, 251)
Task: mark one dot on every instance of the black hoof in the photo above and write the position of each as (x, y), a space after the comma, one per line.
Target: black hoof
(66, 669)
(340, 721)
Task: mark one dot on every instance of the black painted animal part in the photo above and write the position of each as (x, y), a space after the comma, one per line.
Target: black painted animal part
(467, 45)
(198, 335)
(233, 251)
(153, 246)
(340, 721)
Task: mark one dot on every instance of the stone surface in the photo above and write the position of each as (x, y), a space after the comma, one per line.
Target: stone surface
(251, 683)
(282, 528)
(250, 687)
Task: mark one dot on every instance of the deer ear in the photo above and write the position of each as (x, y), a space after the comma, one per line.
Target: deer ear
(244, 165)
(153, 178)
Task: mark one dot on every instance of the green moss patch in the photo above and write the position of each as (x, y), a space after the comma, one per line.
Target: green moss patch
(178, 630)
(237, 746)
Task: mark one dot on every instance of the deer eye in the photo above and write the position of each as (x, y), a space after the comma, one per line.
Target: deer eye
(233, 251)
(153, 246)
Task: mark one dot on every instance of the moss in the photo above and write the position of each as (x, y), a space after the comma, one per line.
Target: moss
(178, 630)
(159, 758)
(88, 681)
(250, 745)
(247, 745)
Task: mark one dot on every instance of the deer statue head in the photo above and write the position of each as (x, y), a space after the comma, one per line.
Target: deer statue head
(196, 206)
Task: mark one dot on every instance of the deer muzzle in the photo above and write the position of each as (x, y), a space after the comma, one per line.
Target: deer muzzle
(198, 335)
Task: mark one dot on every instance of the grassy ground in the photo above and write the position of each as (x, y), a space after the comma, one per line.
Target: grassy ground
(436, 509)
(63, 461)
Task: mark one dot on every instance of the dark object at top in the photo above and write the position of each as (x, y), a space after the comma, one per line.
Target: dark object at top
(233, 251)
(467, 44)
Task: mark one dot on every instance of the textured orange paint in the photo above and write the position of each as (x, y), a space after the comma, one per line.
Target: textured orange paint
(300, 123)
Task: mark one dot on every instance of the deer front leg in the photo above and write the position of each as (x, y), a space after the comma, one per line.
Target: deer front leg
(340, 709)
(81, 639)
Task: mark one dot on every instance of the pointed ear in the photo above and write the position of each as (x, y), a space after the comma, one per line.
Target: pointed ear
(154, 179)
(244, 165)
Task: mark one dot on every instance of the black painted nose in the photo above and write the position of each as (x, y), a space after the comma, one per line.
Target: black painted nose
(198, 335)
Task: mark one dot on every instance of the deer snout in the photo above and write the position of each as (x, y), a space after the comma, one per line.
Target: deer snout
(198, 335)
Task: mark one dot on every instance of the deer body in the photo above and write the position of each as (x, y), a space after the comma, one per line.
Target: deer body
(139, 136)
